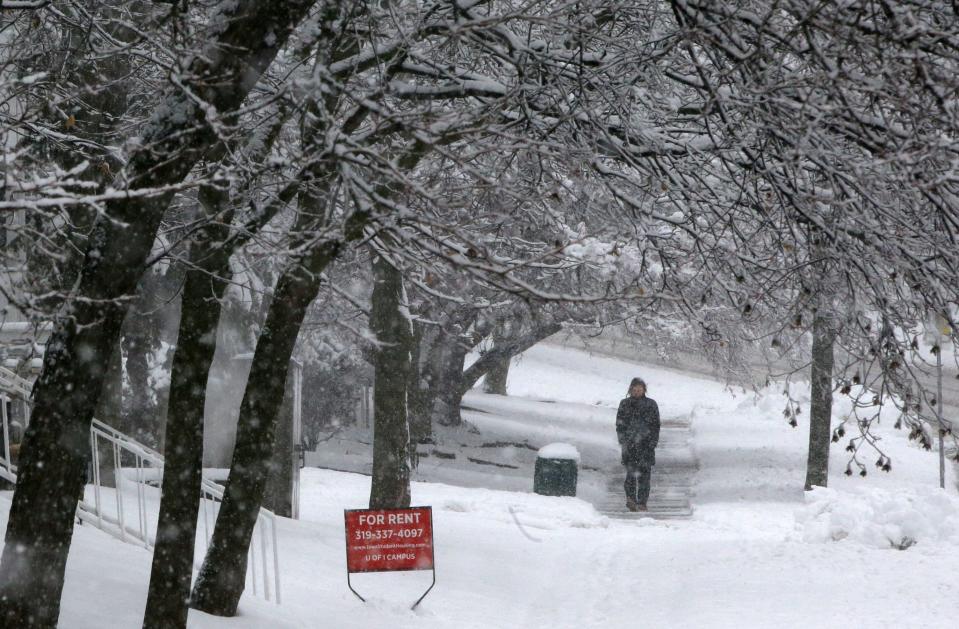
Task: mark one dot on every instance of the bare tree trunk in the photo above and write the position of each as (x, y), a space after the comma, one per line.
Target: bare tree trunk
(455, 381)
(451, 388)
(390, 486)
(506, 351)
(426, 378)
(139, 417)
(496, 378)
(56, 445)
(109, 406)
(222, 577)
(172, 571)
(153, 317)
(498, 373)
(278, 496)
(419, 396)
(820, 411)
(108, 410)
(52, 466)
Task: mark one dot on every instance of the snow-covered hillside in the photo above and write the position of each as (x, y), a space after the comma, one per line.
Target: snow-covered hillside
(755, 553)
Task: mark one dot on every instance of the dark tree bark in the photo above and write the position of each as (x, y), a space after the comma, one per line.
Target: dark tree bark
(451, 388)
(430, 374)
(389, 321)
(56, 445)
(110, 405)
(496, 378)
(278, 496)
(820, 411)
(418, 399)
(152, 318)
(498, 373)
(172, 571)
(109, 410)
(140, 340)
(222, 577)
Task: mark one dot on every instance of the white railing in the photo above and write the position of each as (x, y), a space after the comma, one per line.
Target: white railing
(7, 470)
(14, 384)
(128, 510)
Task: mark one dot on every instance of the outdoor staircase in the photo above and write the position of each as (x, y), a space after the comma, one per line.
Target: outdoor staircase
(121, 496)
(672, 478)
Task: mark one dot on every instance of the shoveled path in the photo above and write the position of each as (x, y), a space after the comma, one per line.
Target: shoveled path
(672, 480)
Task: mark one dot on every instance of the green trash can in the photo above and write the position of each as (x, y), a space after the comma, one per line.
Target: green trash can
(557, 468)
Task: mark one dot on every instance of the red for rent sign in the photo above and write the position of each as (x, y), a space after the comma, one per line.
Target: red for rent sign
(382, 540)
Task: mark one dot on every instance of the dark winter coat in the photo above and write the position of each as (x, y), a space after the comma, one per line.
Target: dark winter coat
(637, 426)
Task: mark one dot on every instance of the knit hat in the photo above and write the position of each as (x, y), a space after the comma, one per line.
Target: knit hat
(637, 381)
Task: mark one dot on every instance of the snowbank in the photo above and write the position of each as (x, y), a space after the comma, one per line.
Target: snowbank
(879, 518)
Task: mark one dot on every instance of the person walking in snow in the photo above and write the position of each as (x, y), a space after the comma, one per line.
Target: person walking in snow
(637, 427)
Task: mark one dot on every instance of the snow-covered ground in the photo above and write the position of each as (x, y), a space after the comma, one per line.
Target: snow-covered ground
(757, 552)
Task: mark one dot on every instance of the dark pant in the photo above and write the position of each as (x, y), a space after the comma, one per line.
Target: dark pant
(637, 483)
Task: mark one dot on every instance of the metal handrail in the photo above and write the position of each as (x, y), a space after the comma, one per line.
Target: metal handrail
(122, 447)
(13, 383)
(7, 459)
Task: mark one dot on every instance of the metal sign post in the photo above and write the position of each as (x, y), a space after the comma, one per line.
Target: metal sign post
(389, 540)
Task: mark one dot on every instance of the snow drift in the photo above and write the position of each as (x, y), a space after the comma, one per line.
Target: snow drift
(880, 518)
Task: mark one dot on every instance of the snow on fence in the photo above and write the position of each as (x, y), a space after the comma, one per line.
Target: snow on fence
(122, 495)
